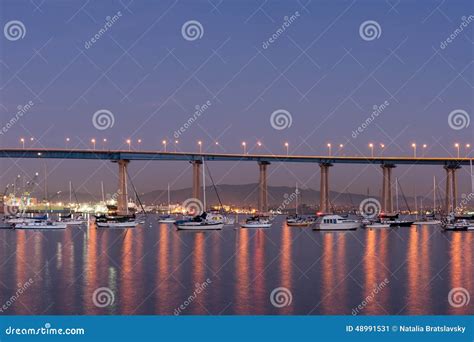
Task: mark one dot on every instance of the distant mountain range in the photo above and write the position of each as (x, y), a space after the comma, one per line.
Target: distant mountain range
(247, 195)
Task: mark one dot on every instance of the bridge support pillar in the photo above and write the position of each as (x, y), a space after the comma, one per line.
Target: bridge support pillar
(324, 206)
(197, 179)
(122, 198)
(262, 187)
(387, 203)
(451, 188)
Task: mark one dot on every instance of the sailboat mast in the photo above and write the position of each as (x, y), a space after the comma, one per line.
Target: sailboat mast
(204, 184)
(102, 190)
(70, 192)
(396, 194)
(126, 190)
(169, 210)
(434, 194)
(296, 204)
(472, 177)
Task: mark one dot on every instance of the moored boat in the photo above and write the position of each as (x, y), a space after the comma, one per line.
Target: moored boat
(377, 225)
(299, 221)
(257, 221)
(336, 222)
(201, 222)
(40, 224)
(166, 219)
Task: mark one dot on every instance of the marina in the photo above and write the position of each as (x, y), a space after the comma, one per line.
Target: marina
(153, 267)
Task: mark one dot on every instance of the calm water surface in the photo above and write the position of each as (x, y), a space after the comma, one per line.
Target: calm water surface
(154, 269)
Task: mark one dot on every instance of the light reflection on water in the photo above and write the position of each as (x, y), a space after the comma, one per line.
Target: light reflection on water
(155, 269)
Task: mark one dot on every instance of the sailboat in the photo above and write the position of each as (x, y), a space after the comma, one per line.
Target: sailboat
(203, 221)
(393, 218)
(69, 219)
(167, 218)
(430, 218)
(296, 220)
(120, 221)
(460, 222)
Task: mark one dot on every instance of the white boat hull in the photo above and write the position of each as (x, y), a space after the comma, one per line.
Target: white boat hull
(299, 224)
(74, 222)
(338, 226)
(40, 226)
(200, 226)
(256, 225)
(167, 221)
(116, 224)
(420, 223)
(377, 225)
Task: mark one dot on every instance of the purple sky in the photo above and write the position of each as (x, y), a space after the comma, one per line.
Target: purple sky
(319, 69)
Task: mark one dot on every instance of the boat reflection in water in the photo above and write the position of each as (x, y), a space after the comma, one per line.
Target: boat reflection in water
(157, 269)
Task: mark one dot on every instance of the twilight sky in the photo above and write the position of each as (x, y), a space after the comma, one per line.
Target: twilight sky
(323, 70)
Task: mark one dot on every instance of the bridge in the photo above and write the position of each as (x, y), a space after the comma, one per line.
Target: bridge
(123, 158)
